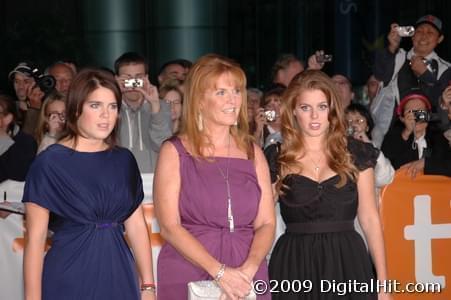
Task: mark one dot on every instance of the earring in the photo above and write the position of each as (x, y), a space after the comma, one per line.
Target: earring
(200, 122)
(236, 123)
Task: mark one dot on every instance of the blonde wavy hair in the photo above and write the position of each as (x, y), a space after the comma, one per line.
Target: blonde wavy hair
(293, 146)
(42, 126)
(203, 76)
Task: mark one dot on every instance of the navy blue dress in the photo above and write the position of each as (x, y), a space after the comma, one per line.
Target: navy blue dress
(90, 195)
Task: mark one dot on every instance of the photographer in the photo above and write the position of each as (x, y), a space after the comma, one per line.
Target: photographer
(411, 139)
(439, 163)
(401, 70)
(267, 117)
(31, 87)
(145, 120)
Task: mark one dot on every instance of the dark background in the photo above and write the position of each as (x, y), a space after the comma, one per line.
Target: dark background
(253, 32)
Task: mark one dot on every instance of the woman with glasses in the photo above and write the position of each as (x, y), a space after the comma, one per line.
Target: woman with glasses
(52, 120)
(170, 90)
(360, 124)
(267, 117)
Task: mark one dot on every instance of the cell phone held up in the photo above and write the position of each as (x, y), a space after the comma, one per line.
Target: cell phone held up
(405, 31)
(133, 83)
(324, 58)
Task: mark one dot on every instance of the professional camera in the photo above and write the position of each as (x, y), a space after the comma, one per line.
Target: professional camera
(270, 115)
(133, 83)
(45, 82)
(421, 116)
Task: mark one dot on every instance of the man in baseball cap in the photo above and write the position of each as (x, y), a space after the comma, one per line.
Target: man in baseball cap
(21, 77)
(401, 70)
(432, 20)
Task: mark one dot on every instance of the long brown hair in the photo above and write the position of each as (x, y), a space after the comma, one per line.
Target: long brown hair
(202, 76)
(293, 146)
(83, 84)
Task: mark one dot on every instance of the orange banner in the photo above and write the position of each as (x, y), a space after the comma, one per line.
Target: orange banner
(416, 216)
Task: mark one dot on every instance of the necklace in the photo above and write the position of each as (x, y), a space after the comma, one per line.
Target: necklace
(229, 197)
(316, 164)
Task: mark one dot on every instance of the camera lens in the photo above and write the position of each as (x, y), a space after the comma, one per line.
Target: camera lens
(421, 116)
(46, 83)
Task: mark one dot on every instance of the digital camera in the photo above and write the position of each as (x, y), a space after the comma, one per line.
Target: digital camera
(405, 31)
(350, 131)
(323, 58)
(133, 83)
(270, 115)
(421, 116)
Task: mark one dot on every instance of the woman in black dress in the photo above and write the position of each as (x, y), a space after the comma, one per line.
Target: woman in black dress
(323, 180)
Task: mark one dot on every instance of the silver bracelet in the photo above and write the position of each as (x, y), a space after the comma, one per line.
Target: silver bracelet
(220, 273)
(150, 287)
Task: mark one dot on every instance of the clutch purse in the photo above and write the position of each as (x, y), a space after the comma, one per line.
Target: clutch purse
(209, 290)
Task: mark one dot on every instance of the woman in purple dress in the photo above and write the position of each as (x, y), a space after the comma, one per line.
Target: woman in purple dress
(212, 191)
(94, 191)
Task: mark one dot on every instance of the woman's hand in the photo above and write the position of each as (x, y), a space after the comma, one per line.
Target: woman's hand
(235, 284)
(361, 136)
(413, 168)
(35, 96)
(446, 95)
(409, 124)
(260, 118)
(313, 63)
(55, 125)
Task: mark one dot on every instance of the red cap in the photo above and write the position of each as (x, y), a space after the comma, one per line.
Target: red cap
(409, 97)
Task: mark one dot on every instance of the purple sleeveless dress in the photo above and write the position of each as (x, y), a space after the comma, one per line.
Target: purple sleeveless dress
(203, 212)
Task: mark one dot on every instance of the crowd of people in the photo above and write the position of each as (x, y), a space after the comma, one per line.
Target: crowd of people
(223, 154)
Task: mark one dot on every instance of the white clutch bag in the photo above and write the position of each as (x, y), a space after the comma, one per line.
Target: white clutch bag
(209, 290)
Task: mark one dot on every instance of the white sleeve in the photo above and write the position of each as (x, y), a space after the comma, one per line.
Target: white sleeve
(383, 171)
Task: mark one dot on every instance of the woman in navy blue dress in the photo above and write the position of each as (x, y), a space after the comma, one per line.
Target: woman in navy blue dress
(93, 190)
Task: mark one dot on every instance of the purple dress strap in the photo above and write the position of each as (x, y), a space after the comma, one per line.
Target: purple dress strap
(177, 142)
